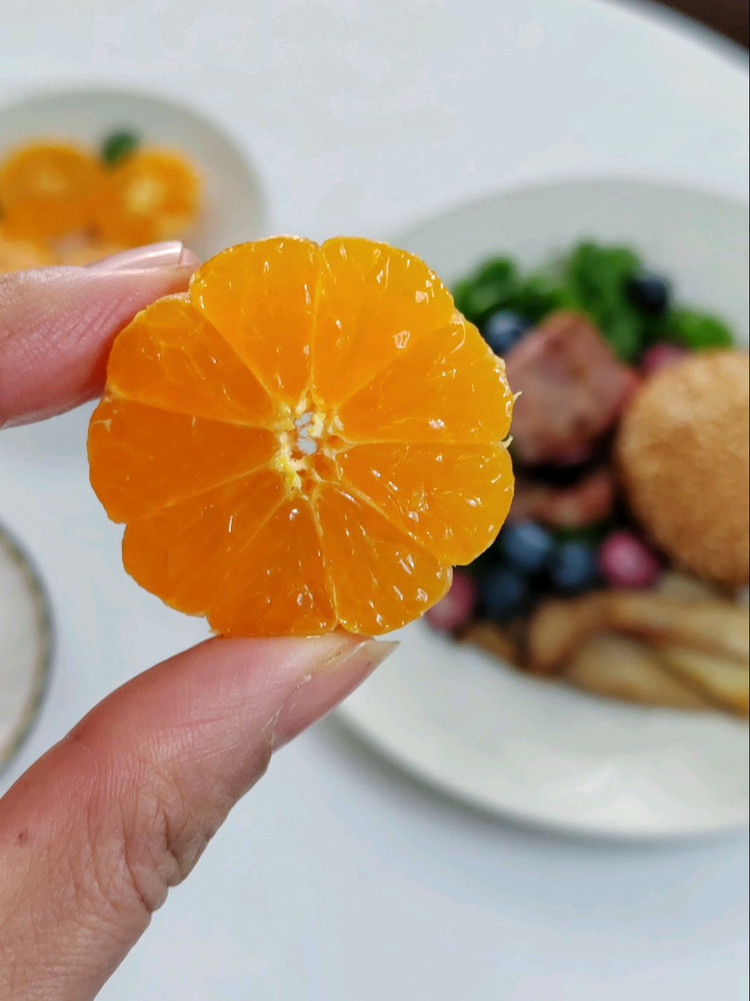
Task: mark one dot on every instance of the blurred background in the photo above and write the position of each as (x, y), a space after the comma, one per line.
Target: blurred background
(460, 829)
(726, 16)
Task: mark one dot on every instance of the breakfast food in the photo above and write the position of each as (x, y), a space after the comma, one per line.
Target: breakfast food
(572, 389)
(64, 203)
(310, 438)
(148, 195)
(645, 647)
(48, 189)
(622, 667)
(617, 568)
(683, 451)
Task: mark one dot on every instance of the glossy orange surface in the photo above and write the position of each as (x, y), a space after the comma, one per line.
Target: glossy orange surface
(309, 439)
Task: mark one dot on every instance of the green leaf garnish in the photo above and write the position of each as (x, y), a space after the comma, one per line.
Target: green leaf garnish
(118, 146)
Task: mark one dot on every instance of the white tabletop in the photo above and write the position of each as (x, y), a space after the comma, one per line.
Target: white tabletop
(338, 878)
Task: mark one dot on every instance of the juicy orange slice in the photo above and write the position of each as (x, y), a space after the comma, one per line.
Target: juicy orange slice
(150, 195)
(48, 188)
(310, 438)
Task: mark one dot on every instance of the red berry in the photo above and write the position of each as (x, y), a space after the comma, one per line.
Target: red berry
(457, 606)
(626, 561)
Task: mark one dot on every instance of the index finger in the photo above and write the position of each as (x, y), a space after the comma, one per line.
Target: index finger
(57, 325)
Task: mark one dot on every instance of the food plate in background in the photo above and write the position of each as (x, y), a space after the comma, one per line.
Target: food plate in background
(482, 730)
(233, 204)
(25, 645)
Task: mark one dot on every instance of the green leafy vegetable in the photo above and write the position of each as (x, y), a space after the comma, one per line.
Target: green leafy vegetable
(596, 278)
(539, 295)
(696, 330)
(491, 287)
(117, 146)
(591, 535)
(592, 279)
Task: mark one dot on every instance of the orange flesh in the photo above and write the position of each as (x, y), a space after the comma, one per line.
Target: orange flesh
(152, 195)
(311, 439)
(47, 189)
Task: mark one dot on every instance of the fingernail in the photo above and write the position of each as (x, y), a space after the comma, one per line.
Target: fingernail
(321, 691)
(171, 254)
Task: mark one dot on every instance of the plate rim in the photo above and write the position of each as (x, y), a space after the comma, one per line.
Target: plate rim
(159, 94)
(21, 556)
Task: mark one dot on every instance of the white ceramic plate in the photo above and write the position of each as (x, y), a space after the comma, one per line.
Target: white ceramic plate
(505, 741)
(234, 206)
(25, 645)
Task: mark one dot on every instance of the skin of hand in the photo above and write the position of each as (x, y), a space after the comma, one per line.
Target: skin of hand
(94, 833)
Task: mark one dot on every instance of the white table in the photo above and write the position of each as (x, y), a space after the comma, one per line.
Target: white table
(339, 879)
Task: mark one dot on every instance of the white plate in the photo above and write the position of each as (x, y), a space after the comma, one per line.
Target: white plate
(234, 207)
(25, 645)
(505, 741)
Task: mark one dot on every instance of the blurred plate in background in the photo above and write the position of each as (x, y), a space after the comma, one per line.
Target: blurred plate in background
(234, 208)
(25, 645)
(233, 202)
(504, 740)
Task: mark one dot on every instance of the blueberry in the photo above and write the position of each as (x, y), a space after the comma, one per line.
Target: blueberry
(650, 293)
(503, 329)
(525, 546)
(503, 594)
(573, 567)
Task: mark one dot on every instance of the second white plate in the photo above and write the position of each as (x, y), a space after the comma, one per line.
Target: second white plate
(505, 741)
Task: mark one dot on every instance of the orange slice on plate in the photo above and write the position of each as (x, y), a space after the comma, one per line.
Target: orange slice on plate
(150, 195)
(309, 439)
(48, 188)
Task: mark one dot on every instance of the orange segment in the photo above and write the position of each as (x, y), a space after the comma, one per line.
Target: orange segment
(151, 195)
(381, 578)
(49, 188)
(448, 388)
(159, 549)
(261, 298)
(308, 441)
(143, 458)
(452, 499)
(170, 357)
(377, 303)
(278, 583)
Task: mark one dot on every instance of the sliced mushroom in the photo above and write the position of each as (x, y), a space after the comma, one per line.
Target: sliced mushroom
(493, 639)
(625, 668)
(715, 626)
(725, 683)
(557, 629)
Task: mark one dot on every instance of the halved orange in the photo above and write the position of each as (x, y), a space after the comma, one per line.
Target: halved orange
(310, 438)
(152, 194)
(48, 188)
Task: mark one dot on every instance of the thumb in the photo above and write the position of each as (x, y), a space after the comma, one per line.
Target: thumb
(94, 834)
